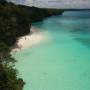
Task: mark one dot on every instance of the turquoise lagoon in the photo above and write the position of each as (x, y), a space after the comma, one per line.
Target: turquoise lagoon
(62, 61)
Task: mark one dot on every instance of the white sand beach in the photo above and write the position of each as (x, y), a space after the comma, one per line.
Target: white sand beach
(29, 40)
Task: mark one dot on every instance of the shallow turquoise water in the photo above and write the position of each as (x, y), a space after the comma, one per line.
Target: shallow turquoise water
(62, 61)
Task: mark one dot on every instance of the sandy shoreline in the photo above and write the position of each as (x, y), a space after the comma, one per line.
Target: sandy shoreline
(29, 40)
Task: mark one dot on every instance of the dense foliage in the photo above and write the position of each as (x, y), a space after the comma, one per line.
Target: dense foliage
(8, 74)
(13, 22)
(37, 14)
(8, 28)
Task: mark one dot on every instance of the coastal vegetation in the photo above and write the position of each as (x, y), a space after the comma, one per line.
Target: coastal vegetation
(8, 75)
(15, 21)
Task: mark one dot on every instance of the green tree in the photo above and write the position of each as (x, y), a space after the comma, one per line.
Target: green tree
(7, 30)
(8, 74)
